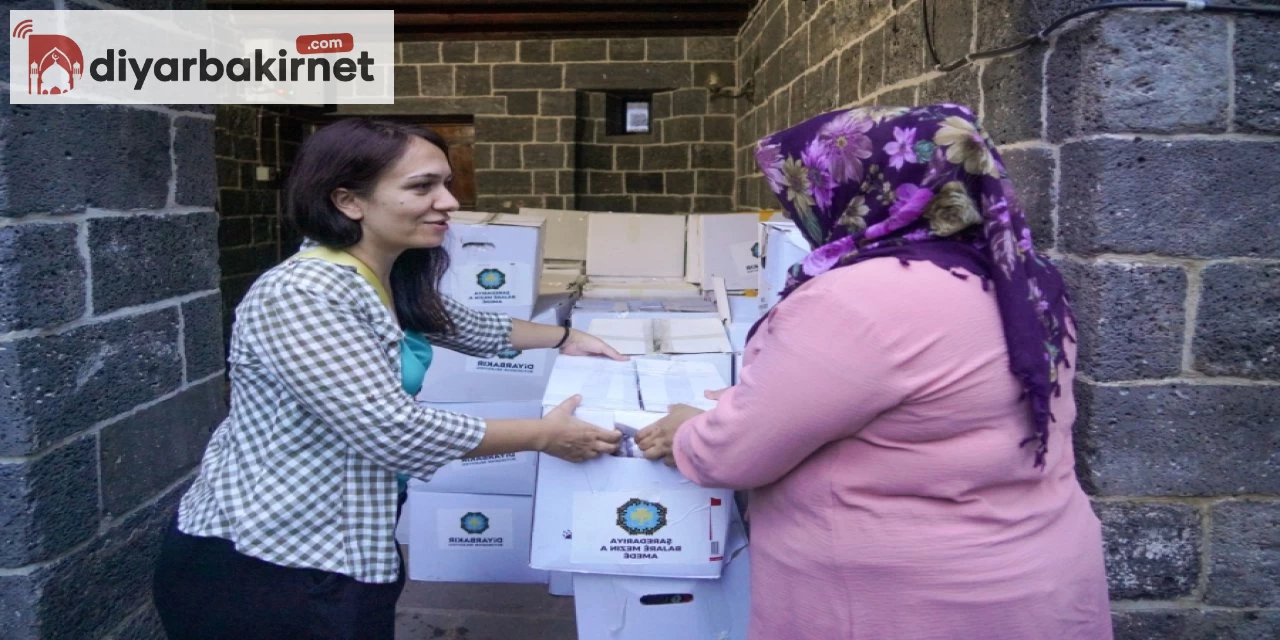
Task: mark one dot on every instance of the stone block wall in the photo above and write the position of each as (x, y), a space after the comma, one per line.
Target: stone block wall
(111, 342)
(524, 97)
(685, 162)
(1143, 144)
(251, 236)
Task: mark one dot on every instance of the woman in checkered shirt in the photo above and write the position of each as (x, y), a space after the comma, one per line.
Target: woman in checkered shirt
(288, 530)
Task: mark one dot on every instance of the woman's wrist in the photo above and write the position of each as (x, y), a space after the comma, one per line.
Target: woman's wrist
(533, 335)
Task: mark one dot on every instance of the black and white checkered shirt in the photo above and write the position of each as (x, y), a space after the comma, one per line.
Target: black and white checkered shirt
(302, 473)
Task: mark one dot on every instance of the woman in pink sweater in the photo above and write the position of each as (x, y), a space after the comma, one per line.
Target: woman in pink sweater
(903, 417)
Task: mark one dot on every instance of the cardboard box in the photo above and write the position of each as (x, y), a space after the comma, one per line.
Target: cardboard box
(640, 336)
(782, 246)
(495, 261)
(725, 245)
(506, 474)
(513, 377)
(630, 608)
(566, 233)
(626, 516)
(586, 310)
(639, 288)
(458, 537)
(560, 583)
(635, 245)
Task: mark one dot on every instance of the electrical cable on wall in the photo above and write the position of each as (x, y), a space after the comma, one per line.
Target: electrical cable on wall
(1043, 35)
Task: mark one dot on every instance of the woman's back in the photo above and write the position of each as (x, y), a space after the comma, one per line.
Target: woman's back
(930, 520)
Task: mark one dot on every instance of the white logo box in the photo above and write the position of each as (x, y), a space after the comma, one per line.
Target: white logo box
(634, 608)
(495, 261)
(506, 474)
(458, 537)
(626, 516)
(782, 245)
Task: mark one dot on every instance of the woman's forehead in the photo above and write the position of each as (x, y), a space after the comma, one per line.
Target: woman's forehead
(421, 157)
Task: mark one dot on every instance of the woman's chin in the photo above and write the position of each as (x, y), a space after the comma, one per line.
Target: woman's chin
(427, 240)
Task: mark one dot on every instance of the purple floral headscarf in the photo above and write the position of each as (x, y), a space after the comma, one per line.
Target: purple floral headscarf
(924, 184)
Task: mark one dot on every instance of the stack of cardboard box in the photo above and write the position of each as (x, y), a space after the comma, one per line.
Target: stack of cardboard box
(676, 293)
(470, 522)
(634, 533)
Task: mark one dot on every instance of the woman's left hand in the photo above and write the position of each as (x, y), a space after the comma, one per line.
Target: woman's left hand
(657, 440)
(581, 343)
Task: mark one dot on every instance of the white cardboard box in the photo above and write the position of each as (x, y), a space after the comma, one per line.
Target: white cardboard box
(782, 246)
(519, 377)
(560, 583)
(566, 233)
(495, 261)
(506, 474)
(626, 516)
(458, 537)
(631, 608)
(635, 245)
(640, 336)
(725, 245)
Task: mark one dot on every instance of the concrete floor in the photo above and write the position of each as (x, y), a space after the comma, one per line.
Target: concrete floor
(465, 611)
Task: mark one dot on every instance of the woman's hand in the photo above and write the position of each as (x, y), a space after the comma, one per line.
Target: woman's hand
(569, 438)
(658, 439)
(581, 343)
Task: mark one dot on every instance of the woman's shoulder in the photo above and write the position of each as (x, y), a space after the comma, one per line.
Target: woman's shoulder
(301, 276)
(889, 287)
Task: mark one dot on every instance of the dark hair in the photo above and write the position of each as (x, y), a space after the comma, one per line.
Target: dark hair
(353, 154)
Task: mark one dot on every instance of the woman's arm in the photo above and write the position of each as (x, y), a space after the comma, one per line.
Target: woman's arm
(822, 373)
(530, 335)
(558, 434)
(309, 334)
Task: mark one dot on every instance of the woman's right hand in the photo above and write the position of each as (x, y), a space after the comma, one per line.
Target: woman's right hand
(569, 438)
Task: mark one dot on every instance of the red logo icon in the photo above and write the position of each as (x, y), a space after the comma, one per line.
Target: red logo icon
(55, 61)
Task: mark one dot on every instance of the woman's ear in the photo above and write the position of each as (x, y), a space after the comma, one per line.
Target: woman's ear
(347, 202)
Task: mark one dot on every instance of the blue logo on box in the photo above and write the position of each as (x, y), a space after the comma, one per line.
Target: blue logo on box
(641, 517)
(490, 279)
(475, 522)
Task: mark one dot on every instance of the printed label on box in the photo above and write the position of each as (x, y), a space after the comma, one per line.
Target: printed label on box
(746, 257)
(617, 527)
(495, 284)
(488, 460)
(512, 363)
(474, 529)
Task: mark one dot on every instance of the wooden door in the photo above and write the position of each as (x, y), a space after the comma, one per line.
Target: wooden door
(461, 138)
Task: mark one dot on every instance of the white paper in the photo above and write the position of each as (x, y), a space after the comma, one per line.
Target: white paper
(603, 383)
(667, 382)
